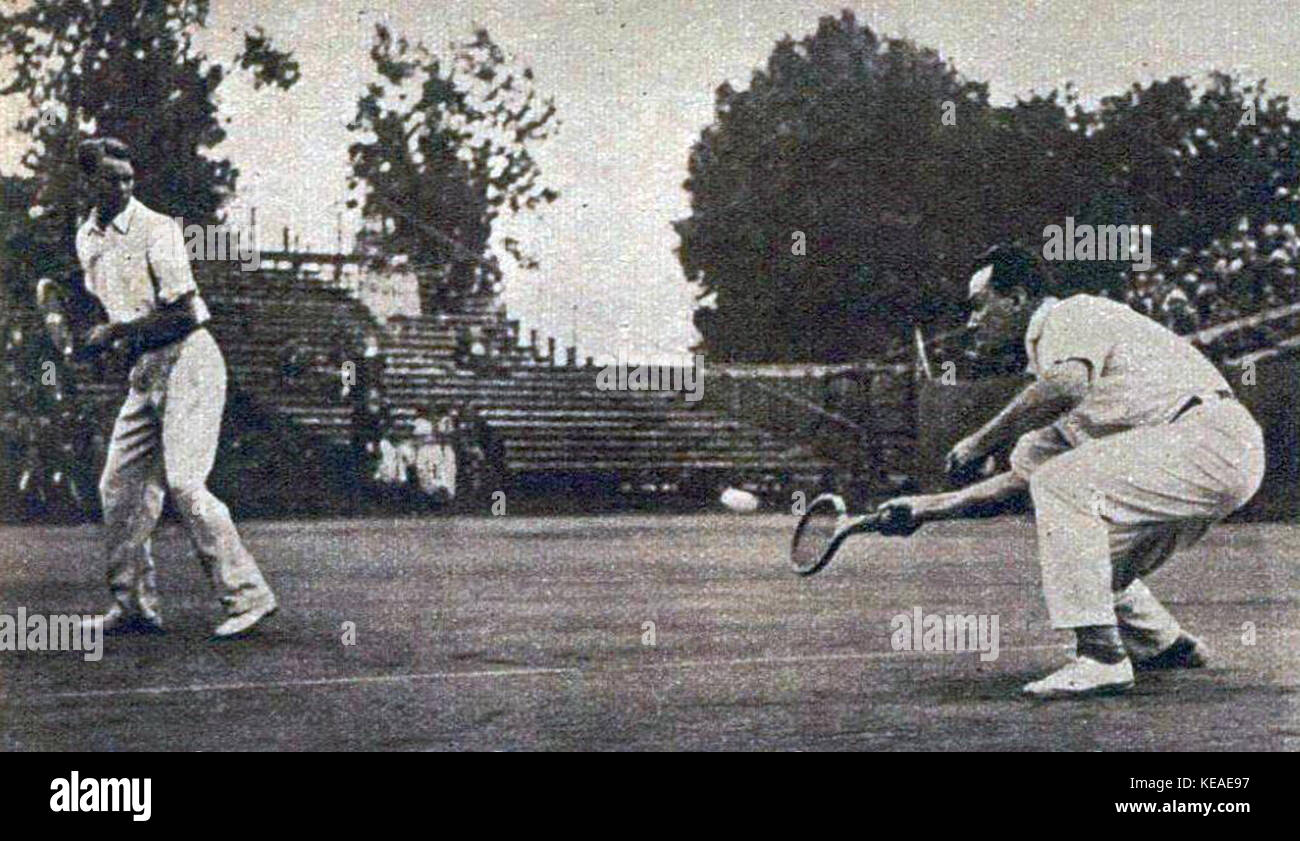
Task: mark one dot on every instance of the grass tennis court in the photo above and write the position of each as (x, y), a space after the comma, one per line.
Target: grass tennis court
(530, 633)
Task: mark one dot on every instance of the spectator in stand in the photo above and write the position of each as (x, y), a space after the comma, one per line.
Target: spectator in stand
(1140, 295)
(1282, 272)
(446, 433)
(434, 461)
(343, 385)
(1160, 285)
(420, 450)
(1178, 314)
(391, 472)
(471, 346)
(407, 489)
(369, 418)
(480, 458)
(1188, 282)
(1290, 241)
(1207, 293)
(478, 346)
(371, 374)
(370, 422)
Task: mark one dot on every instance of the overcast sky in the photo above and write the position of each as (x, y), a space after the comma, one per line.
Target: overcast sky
(634, 81)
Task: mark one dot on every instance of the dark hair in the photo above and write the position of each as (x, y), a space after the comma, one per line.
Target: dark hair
(91, 152)
(1013, 266)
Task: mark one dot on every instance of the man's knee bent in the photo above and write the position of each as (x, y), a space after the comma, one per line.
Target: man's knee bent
(1036, 448)
(120, 498)
(1057, 478)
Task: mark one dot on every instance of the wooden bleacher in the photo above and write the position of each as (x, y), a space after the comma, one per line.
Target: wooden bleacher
(546, 420)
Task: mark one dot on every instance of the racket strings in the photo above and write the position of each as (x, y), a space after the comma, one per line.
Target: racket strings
(815, 536)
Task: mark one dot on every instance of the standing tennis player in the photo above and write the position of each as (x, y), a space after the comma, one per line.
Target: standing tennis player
(165, 437)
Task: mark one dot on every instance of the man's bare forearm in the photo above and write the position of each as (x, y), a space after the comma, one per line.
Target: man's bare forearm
(988, 498)
(160, 327)
(1039, 403)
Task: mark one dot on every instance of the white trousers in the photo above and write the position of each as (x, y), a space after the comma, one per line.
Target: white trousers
(1114, 509)
(165, 440)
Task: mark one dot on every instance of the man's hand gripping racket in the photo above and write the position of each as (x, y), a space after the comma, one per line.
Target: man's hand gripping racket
(51, 299)
(826, 524)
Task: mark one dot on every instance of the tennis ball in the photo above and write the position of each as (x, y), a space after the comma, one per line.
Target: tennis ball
(742, 502)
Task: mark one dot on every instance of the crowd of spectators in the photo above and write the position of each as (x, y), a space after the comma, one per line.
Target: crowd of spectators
(1251, 271)
(443, 462)
(53, 426)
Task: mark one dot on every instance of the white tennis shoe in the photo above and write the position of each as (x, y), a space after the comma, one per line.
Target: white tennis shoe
(1083, 677)
(240, 623)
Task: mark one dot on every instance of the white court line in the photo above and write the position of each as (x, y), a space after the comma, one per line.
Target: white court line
(425, 677)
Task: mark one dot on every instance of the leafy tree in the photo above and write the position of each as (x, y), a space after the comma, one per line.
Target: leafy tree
(839, 144)
(895, 172)
(1192, 165)
(446, 150)
(127, 68)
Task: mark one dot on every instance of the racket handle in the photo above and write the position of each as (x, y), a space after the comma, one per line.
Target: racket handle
(880, 523)
(859, 524)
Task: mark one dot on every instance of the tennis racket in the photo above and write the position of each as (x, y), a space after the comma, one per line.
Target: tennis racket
(50, 301)
(825, 526)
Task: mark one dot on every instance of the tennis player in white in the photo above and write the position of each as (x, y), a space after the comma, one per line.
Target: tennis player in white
(165, 437)
(1131, 446)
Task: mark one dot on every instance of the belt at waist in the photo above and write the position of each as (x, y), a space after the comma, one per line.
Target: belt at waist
(1202, 399)
(140, 348)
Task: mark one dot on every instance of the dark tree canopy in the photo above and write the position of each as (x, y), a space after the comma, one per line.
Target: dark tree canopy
(895, 172)
(447, 148)
(127, 68)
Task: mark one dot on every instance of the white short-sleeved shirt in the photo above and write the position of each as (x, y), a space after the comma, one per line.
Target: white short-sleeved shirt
(1140, 372)
(136, 263)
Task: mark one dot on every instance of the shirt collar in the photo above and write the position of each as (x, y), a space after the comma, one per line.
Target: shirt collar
(121, 222)
(1035, 330)
(1040, 315)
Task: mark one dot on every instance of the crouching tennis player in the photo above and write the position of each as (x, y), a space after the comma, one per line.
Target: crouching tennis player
(1131, 446)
